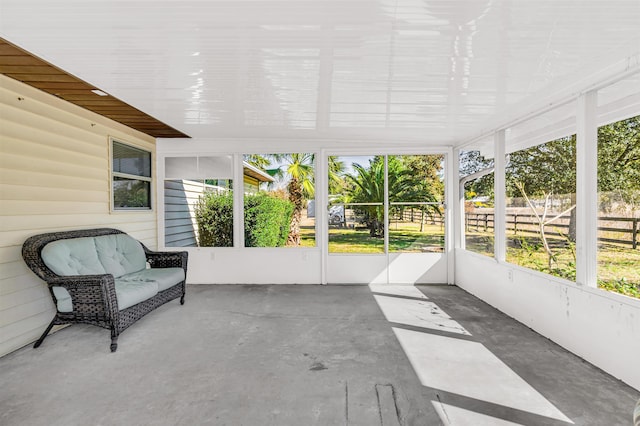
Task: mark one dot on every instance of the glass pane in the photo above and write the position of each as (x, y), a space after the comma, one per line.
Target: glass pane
(279, 208)
(478, 176)
(198, 213)
(131, 194)
(540, 213)
(130, 160)
(619, 207)
(416, 210)
(356, 212)
(201, 167)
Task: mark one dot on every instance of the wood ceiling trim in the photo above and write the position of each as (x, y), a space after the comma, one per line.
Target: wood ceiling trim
(33, 71)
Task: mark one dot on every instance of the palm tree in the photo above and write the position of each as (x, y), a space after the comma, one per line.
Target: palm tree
(406, 184)
(299, 170)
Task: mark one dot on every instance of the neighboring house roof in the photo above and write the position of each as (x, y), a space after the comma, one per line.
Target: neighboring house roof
(256, 173)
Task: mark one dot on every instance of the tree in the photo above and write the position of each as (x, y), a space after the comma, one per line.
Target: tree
(299, 170)
(545, 170)
(472, 162)
(409, 179)
(619, 160)
(425, 183)
(257, 160)
(336, 169)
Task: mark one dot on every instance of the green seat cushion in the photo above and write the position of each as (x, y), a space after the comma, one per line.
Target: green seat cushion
(120, 254)
(130, 293)
(76, 256)
(64, 299)
(165, 277)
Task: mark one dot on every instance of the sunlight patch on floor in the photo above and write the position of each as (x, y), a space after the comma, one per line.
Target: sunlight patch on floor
(469, 369)
(398, 290)
(418, 313)
(456, 416)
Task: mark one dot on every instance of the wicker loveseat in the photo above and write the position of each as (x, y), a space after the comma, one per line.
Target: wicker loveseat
(101, 277)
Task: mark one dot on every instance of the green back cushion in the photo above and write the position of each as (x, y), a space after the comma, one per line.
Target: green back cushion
(75, 256)
(120, 254)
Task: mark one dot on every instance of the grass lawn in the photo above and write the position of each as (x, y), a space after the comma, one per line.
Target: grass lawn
(307, 236)
(403, 237)
(618, 266)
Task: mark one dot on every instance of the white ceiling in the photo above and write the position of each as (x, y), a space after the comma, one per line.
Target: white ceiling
(414, 70)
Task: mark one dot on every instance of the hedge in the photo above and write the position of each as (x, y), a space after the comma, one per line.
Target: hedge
(266, 220)
(214, 215)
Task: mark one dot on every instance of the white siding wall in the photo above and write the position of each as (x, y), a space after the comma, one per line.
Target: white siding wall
(180, 197)
(54, 175)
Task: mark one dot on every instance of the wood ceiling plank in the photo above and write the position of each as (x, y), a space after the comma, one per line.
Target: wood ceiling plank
(28, 78)
(20, 60)
(62, 85)
(97, 102)
(8, 50)
(63, 92)
(85, 96)
(28, 69)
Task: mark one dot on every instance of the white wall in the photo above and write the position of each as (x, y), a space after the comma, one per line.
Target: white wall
(254, 265)
(599, 326)
(54, 175)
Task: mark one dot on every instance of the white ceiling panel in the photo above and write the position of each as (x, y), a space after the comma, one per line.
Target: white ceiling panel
(434, 71)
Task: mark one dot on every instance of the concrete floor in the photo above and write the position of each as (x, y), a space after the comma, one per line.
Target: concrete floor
(311, 355)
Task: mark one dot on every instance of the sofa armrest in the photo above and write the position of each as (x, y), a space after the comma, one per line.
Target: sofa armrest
(91, 295)
(167, 259)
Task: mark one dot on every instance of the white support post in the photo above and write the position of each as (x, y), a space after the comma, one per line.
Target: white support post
(587, 190)
(321, 191)
(238, 201)
(458, 196)
(453, 209)
(499, 213)
(386, 213)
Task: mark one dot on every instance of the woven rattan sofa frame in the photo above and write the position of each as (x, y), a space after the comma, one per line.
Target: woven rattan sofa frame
(94, 296)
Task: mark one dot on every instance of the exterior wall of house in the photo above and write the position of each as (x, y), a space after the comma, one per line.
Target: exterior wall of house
(251, 185)
(54, 175)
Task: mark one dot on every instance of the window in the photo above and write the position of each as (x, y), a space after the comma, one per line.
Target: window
(279, 198)
(416, 203)
(541, 219)
(131, 177)
(414, 218)
(477, 185)
(356, 204)
(198, 201)
(619, 206)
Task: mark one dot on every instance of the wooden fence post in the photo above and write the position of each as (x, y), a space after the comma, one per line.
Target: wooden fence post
(634, 235)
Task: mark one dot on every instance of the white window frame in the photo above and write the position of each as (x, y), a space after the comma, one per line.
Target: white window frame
(113, 175)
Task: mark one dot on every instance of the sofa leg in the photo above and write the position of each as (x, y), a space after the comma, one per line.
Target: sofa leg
(182, 300)
(114, 340)
(44, 335)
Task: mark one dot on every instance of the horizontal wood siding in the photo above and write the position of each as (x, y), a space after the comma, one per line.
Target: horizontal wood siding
(54, 175)
(180, 197)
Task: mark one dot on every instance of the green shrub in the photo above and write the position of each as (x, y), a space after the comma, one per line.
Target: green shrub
(214, 215)
(266, 221)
